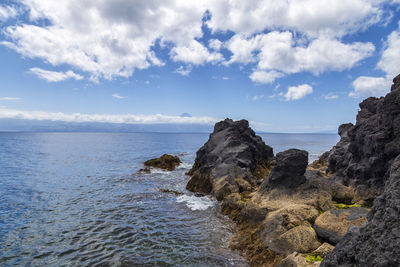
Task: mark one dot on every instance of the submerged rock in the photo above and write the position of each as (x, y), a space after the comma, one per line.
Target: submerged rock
(165, 162)
(228, 161)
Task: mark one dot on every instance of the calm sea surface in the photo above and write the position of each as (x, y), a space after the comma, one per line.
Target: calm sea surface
(72, 199)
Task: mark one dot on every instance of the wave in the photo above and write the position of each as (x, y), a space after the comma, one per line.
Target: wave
(196, 203)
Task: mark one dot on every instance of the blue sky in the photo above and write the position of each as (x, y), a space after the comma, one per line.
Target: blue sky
(286, 66)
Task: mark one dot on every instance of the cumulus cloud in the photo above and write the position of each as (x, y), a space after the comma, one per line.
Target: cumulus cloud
(118, 96)
(7, 12)
(370, 86)
(109, 39)
(265, 76)
(389, 63)
(298, 92)
(105, 118)
(54, 76)
(330, 96)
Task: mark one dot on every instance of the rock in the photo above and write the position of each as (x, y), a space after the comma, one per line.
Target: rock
(228, 161)
(170, 191)
(367, 149)
(165, 162)
(298, 239)
(323, 250)
(377, 243)
(289, 169)
(333, 225)
(296, 260)
(252, 213)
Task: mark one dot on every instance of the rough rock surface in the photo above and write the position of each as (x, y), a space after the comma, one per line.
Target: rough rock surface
(289, 169)
(333, 225)
(323, 250)
(165, 162)
(296, 260)
(378, 243)
(228, 161)
(367, 149)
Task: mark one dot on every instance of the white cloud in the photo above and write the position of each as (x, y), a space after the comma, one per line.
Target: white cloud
(298, 92)
(265, 76)
(105, 118)
(194, 53)
(118, 96)
(225, 78)
(389, 63)
(184, 71)
(54, 76)
(8, 98)
(7, 12)
(370, 86)
(215, 44)
(330, 96)
(257, 97)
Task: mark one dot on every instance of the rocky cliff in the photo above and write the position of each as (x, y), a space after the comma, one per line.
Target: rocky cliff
(231, 161)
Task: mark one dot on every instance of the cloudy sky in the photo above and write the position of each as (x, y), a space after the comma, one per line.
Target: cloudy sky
(287, 66)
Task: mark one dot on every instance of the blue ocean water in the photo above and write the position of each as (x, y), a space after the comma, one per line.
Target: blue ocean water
(73, 199)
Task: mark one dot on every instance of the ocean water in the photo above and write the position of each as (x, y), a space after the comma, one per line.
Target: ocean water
(73, 199)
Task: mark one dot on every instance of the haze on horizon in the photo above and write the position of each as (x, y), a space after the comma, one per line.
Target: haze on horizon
(286, 66)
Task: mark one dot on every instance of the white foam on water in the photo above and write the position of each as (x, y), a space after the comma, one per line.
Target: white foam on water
(159, 171)
(196, 203)
(185, 165)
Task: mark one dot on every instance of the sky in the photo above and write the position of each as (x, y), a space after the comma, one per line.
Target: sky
(286, 66)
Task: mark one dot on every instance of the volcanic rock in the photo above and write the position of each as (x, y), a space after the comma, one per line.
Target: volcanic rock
(377, 243)
(367, 149)
(333, 225)
(165, 162)
(227, 162)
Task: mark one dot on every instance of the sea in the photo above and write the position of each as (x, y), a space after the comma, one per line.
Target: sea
(76, 199)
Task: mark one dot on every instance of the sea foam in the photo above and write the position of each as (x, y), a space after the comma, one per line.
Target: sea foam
(196, 203)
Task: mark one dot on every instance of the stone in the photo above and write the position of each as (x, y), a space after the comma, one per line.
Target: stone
(301, 239)
(332, 225)
(296, 260)
(289, 169)
(228, 161)
(378, 242)
(165, 162)
(366, 150)
(323, 250)
(252, 213)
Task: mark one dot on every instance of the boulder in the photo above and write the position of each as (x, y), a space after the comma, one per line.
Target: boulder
(228, 161)
(165, 162)
(378, 242)
(366, 150)
(332, 225)
(296, 260)
(301, 239)
(323, 250)
(289, 169)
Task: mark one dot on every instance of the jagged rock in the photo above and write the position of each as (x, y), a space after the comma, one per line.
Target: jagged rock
(301, 239)
(165, 162)
(289, 169)
(377, 243)
(232, 154)
(323, 250)
(252, 213)
(366, 150)
(333, 225)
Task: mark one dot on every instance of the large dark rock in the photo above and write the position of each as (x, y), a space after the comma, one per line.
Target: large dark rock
(227, 162)
(165, 162)
(367, 149)
(289, 169)
(377, 243)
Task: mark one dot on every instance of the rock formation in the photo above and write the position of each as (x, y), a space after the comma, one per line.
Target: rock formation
(230, 161)
(367, 149)
(165, 162)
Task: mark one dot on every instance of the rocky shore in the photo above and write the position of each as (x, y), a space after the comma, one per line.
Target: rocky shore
(341, 210)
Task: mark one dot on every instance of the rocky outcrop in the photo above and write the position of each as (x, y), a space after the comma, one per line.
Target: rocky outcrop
(230, 160)
(333, 225)
(289, 169)
(364, 154)
(377, 243)
(165, 162)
